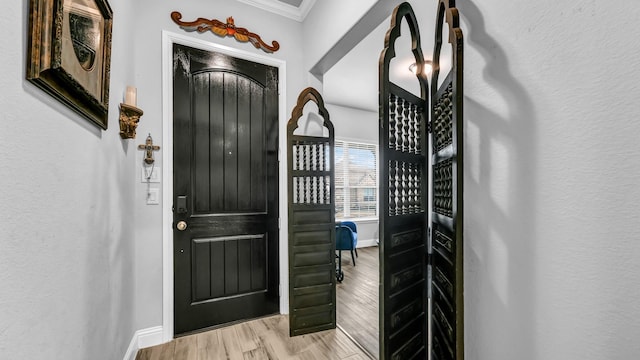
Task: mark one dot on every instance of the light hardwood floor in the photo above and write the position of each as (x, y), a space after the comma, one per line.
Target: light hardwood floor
(357, 298)
(265, 338)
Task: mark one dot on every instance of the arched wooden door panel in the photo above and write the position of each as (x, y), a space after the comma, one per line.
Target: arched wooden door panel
(407, 157)
(447, 305)
(403, 197)
(312, 277)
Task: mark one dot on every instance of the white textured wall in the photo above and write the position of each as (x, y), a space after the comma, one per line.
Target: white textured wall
(66, 220)
(354, 124)
(552, 181)
(152, 18)
(361, 126)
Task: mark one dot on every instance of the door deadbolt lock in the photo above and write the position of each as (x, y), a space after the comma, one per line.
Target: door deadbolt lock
(181, 205)
(181, 225)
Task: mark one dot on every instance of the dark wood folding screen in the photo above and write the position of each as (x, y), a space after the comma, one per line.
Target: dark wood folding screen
(403, 204)
(312, 277)
(447, 305)
(407, 155)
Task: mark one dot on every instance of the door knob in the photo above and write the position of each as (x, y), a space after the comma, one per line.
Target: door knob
(181, 225)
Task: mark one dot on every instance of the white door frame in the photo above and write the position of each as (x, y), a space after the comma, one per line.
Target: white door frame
(168, 39)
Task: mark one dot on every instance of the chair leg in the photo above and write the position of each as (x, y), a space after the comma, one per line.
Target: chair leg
(339, 273)
(353, 258)
(356, 249)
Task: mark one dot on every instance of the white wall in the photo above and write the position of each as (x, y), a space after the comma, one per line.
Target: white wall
(66, 220)
(360, 126)
(152, 18)
(552, 179)
(354, 124)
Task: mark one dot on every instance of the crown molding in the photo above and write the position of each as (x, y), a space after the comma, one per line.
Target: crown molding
(280, 8)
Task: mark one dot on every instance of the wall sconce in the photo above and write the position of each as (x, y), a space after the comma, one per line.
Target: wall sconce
(129, 114)
(426, 67)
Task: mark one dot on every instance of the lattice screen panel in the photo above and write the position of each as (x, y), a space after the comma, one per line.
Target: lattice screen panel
(404, 125)
(311, 159)
(443, 188)
(405, 188)
(442, 120)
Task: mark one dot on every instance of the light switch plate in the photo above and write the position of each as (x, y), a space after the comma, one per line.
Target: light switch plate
(153, 197)
(152, 173)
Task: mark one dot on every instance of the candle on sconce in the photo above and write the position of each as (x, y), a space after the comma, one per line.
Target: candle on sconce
(130, 96)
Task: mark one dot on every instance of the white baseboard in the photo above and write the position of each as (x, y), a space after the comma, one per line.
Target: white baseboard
(142, 339)
(367, 243)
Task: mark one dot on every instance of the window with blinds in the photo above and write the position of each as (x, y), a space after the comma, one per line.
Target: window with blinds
(356, 179)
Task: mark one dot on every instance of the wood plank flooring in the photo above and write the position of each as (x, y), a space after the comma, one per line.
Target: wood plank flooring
(357, 298)
(265, 338)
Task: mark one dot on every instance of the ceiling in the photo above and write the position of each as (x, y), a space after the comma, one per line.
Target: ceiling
(293, 9)
(295, 3)
(353, 81)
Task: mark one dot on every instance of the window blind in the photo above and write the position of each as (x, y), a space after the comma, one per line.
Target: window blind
(356, 174)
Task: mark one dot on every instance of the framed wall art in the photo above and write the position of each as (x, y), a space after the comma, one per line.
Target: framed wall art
(69, 53)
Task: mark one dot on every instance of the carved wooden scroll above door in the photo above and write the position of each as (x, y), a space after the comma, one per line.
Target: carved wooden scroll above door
(224, 29)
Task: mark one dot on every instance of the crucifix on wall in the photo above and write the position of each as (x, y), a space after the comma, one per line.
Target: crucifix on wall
(149, 148)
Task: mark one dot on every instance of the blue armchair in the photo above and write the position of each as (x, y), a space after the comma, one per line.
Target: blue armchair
(354, 229)
(346, 239)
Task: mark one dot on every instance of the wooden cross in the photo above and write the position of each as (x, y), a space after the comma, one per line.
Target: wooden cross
(149, 148)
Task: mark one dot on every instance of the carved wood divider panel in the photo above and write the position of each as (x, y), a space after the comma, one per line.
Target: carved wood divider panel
(447, 285)
(403, 204)
(414, 267)
(312, 277)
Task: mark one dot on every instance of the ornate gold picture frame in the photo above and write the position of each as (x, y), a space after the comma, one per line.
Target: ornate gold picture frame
(69, 53)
